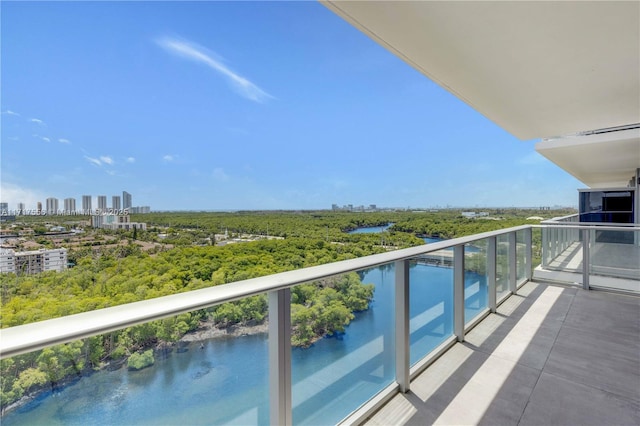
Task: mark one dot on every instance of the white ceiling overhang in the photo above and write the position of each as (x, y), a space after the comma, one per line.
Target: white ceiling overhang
(536, 68)
(605, 160)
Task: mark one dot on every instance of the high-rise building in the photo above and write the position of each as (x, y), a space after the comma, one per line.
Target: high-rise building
(52, 205)
(126, 200)
(69, 205)
(115, 202)
(33, 262)
(86, 204)
(4, 208)
(21, 208)
(102, 202)
(39, 207)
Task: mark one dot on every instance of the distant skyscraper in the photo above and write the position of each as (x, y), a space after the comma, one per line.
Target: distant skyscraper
(102, 202)
(21, 208)
(86, 204)
(4, 208)
(126, 200)
(69, 205)
(39, 207)
(115, 202)
(52, 205)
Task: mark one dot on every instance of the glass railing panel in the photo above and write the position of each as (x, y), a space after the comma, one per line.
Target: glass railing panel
(211, 375)
(334, 374)
(615, 254)
(431, 303)
(502, 265)
(521, 261)
(562, 248)
(536, 247)
(475, 280)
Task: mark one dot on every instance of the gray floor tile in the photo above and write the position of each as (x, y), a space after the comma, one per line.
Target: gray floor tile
(550, 356)
(607, 362)
(605, 312)
(556, 401)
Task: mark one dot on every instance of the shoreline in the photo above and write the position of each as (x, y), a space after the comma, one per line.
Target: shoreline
(208, 330)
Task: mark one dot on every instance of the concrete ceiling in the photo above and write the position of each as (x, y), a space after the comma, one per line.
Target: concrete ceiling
(536, 68)
(606, 160)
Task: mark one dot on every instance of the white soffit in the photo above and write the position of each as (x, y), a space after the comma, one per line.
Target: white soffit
(537, 69)
(606, 160)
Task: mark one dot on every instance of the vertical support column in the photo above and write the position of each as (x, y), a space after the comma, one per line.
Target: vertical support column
(280, 357)
(528, 256)
(458, 292)
(586, 240)
(402, 324)
(491, 272)
(513, 263)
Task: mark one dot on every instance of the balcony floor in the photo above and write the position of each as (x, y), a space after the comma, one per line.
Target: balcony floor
(551, 355)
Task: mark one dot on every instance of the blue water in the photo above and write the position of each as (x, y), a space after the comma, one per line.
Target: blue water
(371, 229)
(226, 382)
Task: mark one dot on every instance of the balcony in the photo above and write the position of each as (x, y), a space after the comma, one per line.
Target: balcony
(550, 355)
(481, 343)
(591, 255)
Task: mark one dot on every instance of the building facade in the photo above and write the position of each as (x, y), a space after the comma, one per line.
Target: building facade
(86, 204)
(116, 222)
(52, 205)
(126, 200)
(33, 262)
(7, 261)
(102, 202)
(69, 205)
(140, 210)
(115, 203)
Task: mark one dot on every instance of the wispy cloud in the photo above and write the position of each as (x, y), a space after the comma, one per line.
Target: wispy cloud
(106, 159)
(9, 112)
(219, 174)
(93, 161)
(130, 160)
(37, 121)
(200, 54)
(64, 141)
(42, 138)
(168, 158)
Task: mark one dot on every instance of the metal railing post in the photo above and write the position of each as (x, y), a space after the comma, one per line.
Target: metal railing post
(491, 272)
(528, 256)
(513, 263)
(402, 324)
(458, 292)
(545, 247)
(586, 239)
(280, 357)
(553, 242)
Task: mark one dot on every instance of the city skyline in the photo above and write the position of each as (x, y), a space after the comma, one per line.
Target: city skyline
(86, 202)
(229, 106)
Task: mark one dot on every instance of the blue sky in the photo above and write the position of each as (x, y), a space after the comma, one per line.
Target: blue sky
(241, 105)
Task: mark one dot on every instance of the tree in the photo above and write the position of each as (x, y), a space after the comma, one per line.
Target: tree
(138, 361)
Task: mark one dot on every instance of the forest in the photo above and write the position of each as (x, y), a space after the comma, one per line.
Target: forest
(104, 276)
